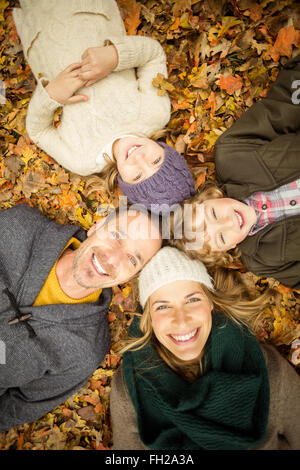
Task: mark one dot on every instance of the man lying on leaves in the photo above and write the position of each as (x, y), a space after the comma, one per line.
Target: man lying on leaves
(55, 291)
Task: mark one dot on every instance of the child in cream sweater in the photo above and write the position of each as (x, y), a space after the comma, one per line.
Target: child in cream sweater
(81, 46)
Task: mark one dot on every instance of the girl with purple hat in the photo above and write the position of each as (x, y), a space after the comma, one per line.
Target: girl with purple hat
(106, 127)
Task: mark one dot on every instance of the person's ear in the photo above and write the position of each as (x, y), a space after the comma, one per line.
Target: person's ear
(96, 226)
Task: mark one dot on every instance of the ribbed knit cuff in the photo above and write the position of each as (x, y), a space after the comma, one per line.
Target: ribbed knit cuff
(43, 98)
(127, 53)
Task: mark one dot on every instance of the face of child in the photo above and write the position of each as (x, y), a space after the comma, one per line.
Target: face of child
(181, 318)
(227, 221)
(137, 158)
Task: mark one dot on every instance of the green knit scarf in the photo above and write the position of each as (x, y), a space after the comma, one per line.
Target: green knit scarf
(226, 408)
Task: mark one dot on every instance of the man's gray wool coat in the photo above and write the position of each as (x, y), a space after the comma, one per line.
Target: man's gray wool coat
(38, 373)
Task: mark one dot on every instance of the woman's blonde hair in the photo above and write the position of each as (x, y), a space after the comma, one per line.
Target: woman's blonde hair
(211, 258)
(231, 297)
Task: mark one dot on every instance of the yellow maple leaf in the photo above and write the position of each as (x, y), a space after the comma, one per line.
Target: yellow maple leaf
(211, 138)
(126, 291)
(85, 220)
(160, 82)
(27, 155)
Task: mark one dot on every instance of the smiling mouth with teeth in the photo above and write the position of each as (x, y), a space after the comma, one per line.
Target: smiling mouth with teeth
(187, 337)
(98, 266)
(240, 218)
(131, 150)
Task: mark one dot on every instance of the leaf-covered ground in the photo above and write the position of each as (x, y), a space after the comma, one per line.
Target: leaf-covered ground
(222, 55)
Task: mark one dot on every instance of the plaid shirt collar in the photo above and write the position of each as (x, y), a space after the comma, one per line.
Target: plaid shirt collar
(274, 205)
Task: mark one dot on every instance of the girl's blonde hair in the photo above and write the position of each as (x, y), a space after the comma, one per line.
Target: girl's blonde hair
(231, 297)
(211, 258)
(107, 180)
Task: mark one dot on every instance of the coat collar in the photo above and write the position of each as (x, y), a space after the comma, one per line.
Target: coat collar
(94, 6)
(45, 251)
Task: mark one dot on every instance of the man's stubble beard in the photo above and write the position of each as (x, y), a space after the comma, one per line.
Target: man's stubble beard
(76, 271)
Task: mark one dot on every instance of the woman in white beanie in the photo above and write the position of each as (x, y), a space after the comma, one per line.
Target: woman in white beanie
(194, 376)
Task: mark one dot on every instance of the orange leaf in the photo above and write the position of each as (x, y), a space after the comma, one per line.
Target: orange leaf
(111, 316)
(192, 128)
(211, 100)
(131, 15)
(176, 24)
(200, 180)
(256, 12)
(100, 446)
(67, 412)
(20, 441)
(286, 38)
(92, 400)
(99, 408)
(95, 384)
(284, 290)
(230, 83)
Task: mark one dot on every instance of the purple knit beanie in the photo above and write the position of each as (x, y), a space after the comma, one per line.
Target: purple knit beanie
(171, 184)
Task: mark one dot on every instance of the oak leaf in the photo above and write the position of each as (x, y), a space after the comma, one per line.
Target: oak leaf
(229, 83)
(286, 38)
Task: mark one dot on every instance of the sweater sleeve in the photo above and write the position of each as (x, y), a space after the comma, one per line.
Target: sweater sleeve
(39, 126)
(35, 379)
(148, 57)
(123, 415)
(142, 52)
(24, 404)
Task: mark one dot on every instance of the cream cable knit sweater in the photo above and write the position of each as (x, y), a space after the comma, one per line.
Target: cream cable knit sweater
(54, 34)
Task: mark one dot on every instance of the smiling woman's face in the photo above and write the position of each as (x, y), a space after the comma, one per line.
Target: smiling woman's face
(181, 318)
(137, 158)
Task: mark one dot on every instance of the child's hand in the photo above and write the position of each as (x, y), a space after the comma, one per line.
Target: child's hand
(63, 87)
(97, 63)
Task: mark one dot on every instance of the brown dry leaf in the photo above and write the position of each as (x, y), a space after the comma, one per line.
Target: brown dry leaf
(87, 413)
(33, 182)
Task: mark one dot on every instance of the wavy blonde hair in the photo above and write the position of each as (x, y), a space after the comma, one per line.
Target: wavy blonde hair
(211, 258)
(231, 297)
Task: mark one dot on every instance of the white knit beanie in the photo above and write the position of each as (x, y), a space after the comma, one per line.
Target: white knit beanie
(169, 265)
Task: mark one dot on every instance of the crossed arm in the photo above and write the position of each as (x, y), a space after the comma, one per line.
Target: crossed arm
(97, 63)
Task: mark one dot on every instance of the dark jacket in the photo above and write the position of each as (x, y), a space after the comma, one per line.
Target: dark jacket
(38, 373)
(261, 152)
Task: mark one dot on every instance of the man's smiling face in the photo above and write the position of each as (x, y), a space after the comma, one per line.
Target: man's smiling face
(115, 251)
